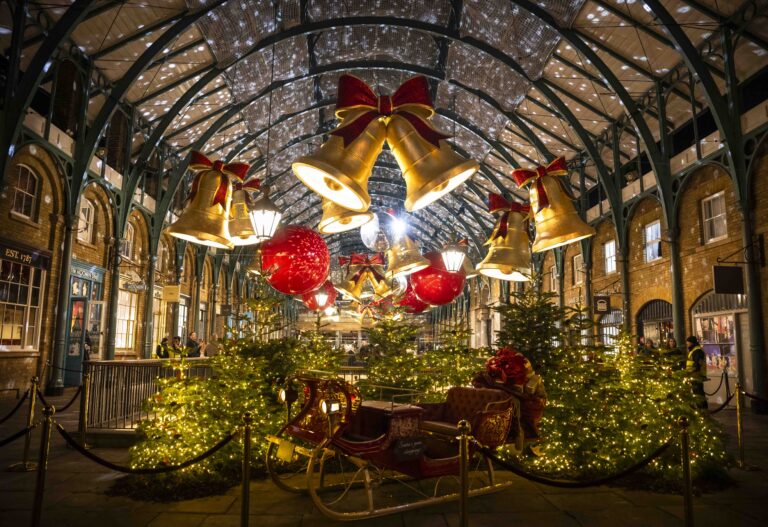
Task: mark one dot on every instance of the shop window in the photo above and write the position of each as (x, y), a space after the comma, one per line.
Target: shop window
(609, 256)
(87, 221)
(20, 306)
(578, 270)
(713, 217)
(609, 327)
(652, 239)
(126, 319)
(181, 330)
(25, 193)
(203, 322)
(554, 283)
(126, 244)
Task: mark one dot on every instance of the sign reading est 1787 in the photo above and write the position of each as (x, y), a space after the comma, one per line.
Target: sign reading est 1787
(24, 256)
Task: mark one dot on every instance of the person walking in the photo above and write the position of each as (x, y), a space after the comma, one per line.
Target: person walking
(696, 368)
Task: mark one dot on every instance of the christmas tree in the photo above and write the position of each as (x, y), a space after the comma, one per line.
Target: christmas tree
(454, 363)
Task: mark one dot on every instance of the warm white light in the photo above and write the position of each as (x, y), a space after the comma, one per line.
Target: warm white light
(398, 228)
(330, 311)
(265, 217)
(504, 274)
(321, 297)
(369, 232)
(453, 259)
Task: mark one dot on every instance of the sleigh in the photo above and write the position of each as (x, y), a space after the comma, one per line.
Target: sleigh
(364, 458)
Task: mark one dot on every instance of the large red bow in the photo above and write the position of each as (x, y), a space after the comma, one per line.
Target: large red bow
(200, 163)
(498, 203)
(411, 95)
(525, 176)
(366, 263)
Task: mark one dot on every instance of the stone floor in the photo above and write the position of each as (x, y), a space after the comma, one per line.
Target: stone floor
(75, 496)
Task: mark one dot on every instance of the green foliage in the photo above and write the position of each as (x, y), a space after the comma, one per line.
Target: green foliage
(454, 363)
(393, 361)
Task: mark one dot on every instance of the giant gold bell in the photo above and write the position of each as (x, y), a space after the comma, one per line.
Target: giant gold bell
(509, 258)
(404, 258)
(203, 222)
(340, 173)
(429, 172)
(338, 219)
(557, 224)
(240, 223)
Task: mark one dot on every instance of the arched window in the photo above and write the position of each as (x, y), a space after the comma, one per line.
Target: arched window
(87, 221)
(25, 193)
(126, 244)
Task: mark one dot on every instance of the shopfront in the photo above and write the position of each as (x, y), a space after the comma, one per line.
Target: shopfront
(654, 322)
(721, 324)
(23, 273)
(85, 329)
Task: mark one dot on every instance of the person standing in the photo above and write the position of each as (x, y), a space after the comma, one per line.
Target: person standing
(212, 348)
(162, 350)
(193, 345)
(175, 351)
(696, 368)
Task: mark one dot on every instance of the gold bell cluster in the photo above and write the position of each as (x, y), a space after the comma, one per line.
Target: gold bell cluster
(509, 248)
(363, 277)
(340, 169)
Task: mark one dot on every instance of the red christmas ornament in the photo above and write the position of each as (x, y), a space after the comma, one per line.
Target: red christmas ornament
(434, 285)
(410, 302)
(295, 260)
(310, 299)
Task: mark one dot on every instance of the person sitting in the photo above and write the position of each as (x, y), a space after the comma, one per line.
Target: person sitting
(162, 350)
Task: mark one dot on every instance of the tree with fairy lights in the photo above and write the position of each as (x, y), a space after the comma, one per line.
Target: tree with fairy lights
(453, 362)
(606, 408)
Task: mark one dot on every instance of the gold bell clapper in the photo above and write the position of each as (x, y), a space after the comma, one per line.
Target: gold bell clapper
(338, 219)
(205, 219)
(404, 258)
(556, 220)
(339, 171)
(430, 171)
(509, 252)
(240, 224)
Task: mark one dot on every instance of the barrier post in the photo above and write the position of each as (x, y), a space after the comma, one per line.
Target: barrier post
(42, 465)
(685, 462)
(245, 495)
(26, 465)
(82, 424)
(740, 424)
(464, 430)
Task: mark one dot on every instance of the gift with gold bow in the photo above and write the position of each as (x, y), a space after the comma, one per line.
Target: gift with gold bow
(339, 171)
(557, 222)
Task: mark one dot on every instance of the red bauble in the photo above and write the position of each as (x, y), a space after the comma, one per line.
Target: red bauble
(295, 260)
(410, 302)
(311, 302)
(434, 285)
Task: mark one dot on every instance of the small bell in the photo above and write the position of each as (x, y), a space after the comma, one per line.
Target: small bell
(404, 258)
(509, 257)
(340, 174)
(557, 224)
(205, 219)
(338, 219)
(240, 224)
(429, 172)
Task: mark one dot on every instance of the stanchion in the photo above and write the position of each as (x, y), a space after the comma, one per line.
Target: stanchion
(26, 465)
(685, 461)
(42, 465)
(464, 430)
(245, 496)
(740, 424)
(82, 423)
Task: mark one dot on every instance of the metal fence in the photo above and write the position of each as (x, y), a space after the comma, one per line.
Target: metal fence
(119, 388)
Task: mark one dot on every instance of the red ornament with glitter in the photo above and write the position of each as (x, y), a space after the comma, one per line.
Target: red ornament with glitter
(295, 260)
(435, 285)
(410, 301)
(310, 299)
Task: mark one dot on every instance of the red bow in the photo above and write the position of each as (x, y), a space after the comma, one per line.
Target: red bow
(498, 203)
(524, 177)
(412, 95)
(366, 263)
(200, 163)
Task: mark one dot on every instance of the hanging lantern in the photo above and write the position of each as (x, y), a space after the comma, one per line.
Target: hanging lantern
(509, 252)
(205, 219)
(453, 255)
(265, 216)
(404, 258)
(435, 285)
(338, 219)
(321, 298)
(410, 302)
(295, 260)
(556, 220)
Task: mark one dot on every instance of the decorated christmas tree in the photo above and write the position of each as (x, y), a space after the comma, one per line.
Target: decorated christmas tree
(454, 363)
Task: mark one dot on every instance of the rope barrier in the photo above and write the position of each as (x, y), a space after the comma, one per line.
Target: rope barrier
(572, 484)
(722, 378)
(17, 435)
(71, 441)
(15, 408)
(755, 397)
(66, 406)
(66, 369)
(722, 406)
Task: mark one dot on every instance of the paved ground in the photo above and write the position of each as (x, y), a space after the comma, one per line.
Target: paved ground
(75, 497)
